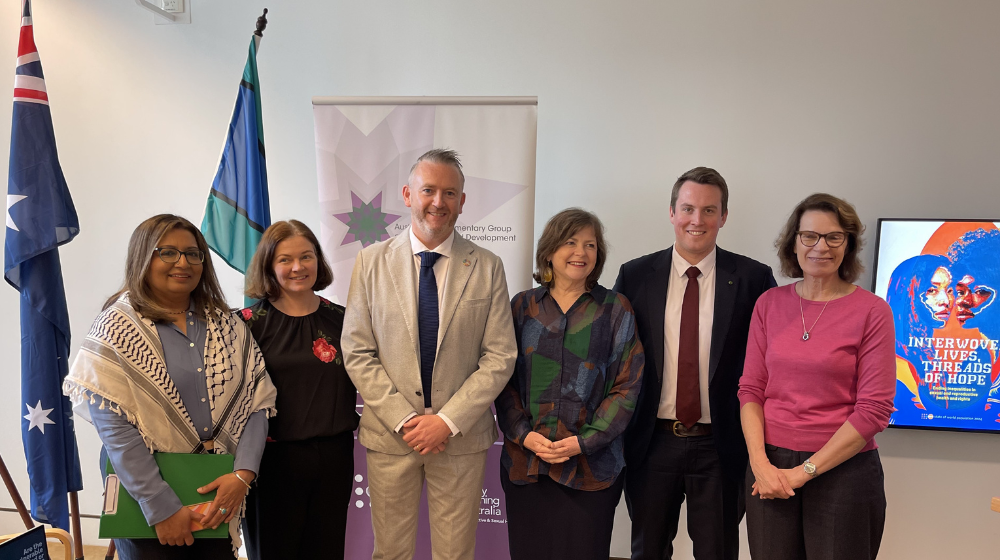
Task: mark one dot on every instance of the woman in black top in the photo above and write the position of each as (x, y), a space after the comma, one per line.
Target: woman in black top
(306, 472)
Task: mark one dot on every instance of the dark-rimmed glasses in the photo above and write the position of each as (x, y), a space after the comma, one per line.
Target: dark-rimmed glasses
(834, 239)
(170, 255)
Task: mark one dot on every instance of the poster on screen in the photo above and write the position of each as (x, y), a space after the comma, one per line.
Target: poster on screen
(940, 277)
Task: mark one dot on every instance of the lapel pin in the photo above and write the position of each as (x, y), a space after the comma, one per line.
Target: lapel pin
(467, 263)
(730, 282)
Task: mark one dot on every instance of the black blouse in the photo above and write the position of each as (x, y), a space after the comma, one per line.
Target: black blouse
(316, 398)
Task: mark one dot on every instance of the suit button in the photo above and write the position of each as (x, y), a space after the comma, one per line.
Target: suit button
(418, 393)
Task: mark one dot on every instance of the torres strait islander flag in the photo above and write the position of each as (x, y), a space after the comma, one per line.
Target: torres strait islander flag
(40, 218)
(238, 209)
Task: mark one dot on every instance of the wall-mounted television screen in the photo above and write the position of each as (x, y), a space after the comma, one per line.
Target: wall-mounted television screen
(940, 278)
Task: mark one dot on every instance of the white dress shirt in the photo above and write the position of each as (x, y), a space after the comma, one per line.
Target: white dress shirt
(672, 329)
(440, 276)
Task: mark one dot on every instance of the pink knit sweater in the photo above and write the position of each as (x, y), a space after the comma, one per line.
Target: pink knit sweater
(844, 372)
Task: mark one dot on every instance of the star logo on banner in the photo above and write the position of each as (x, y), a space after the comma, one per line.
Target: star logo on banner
(13, 199)
(38, 417)
(366, 222)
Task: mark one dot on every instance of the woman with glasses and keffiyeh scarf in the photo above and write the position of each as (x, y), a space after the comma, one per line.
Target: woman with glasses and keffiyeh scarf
(167, 367)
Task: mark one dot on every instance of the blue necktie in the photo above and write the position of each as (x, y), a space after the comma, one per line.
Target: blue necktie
(427, 321)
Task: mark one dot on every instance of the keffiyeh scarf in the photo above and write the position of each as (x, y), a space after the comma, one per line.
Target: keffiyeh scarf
(121, 361)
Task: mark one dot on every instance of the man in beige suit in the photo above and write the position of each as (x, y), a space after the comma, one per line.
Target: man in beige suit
(429, 342)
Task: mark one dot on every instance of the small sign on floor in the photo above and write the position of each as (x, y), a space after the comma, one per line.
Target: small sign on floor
(29, 545)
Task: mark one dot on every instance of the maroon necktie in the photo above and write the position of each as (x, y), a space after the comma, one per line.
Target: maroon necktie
(688, 395)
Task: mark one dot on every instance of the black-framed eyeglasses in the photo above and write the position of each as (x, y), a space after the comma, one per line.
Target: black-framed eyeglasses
(834, 239)
(170, 255)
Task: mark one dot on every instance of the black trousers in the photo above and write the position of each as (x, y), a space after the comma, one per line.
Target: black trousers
(303, 487)
(676, 469)
(548, 520)
(838, 515)
(151, 549)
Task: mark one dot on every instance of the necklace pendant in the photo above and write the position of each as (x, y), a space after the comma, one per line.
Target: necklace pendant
(805, 336)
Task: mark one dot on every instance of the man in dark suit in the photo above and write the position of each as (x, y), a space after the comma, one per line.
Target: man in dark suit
(693, 304)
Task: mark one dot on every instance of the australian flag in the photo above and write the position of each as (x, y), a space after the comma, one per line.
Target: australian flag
(40, 218)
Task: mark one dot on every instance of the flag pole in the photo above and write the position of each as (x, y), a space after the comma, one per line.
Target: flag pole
(261, 24)
(15, 495)
(74, 521)
(74, 510)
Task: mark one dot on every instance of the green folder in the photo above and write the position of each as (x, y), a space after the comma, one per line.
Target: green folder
(185, 473)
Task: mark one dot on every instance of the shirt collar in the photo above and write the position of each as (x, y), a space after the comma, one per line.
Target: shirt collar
(681, 265)
(444, 248)
(595, 292)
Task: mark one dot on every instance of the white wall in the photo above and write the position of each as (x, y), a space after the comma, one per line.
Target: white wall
(892, 104)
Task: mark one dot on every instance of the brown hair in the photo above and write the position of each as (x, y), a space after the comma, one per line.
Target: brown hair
(144, 239)
(560, 228)
(704, 176)
(261, 281)
(848, 219)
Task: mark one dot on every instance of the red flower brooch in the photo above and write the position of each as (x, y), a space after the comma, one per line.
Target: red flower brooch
(247, 313)
(324, 350)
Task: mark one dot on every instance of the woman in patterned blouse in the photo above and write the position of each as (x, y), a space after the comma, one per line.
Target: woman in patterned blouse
(565, 410)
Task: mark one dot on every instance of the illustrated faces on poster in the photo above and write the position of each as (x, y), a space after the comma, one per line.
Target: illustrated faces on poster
(971, 298)
(974, 271)
(919, 306)
(939, 297)
(966, 297)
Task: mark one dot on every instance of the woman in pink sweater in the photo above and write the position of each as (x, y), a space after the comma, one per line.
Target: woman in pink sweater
(817, 385)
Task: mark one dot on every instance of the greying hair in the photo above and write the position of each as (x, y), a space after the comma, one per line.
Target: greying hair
(443, 156)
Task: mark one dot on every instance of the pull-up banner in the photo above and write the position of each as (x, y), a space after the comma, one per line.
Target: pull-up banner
(365, 147)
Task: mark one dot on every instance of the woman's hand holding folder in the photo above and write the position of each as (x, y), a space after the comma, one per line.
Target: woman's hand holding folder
(176, 529)
(231, 492)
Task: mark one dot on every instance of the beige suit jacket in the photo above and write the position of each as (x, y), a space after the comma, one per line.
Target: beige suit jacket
(475, 351)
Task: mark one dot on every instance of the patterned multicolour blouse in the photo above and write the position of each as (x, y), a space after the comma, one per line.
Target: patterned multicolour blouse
(577, 374)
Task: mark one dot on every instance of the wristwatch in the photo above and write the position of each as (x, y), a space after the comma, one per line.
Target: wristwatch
(809, 467)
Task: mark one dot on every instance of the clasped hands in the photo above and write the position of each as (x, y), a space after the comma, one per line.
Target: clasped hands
(426, 433)
(176, 529)
(774, 483)
(552, 452)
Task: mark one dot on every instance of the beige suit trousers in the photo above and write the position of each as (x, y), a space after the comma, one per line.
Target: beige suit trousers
(454, 491)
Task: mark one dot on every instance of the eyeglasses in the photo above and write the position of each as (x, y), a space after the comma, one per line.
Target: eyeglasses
(170, 255)
(834, 239)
